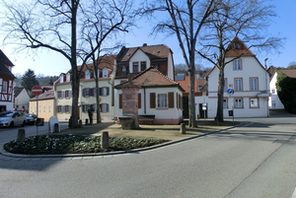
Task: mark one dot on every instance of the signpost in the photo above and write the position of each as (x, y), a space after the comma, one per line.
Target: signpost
(230, 92)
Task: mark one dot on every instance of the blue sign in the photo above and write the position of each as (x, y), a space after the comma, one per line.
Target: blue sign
(230, 91)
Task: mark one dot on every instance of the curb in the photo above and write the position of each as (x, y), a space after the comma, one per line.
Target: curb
(12, 155)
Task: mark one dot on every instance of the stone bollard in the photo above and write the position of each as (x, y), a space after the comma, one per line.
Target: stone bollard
(21, 135)
(56, 128)
(79, 123)
(105, 140)
(182, 128)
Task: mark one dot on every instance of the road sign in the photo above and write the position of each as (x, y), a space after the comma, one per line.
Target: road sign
(230, 91)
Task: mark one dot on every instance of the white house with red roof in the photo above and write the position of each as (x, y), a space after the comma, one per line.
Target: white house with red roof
(249, 80)
(150, 94)
(147, 74)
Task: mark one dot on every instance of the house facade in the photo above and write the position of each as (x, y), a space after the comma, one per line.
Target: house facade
(248, 79)
(6, 83)
(150, 94)
(43, 105)
(274, 101)
(21, 98)
(146, 74)
(63, 91)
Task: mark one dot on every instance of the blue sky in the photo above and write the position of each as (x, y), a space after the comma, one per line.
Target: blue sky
(49, 63)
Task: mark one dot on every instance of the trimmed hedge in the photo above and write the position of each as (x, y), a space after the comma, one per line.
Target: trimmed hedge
(63, 144)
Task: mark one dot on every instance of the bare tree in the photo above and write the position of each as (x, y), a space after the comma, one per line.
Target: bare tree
(232, 19)
(55, 25)
(184, 20)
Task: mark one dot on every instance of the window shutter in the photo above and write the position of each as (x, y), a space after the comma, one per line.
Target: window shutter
(171, 100)
(120, 101)
(107, 91)
(177, 102)
(139, 101)
(152, 100)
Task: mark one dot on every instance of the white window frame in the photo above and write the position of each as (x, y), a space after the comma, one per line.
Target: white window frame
(135, 64)
(237, 64)
(162, 100)
(254, 83)
(238, 103)
(87, 75)
(254, 103)
(104, 107)
(238, 84)
(105, 72)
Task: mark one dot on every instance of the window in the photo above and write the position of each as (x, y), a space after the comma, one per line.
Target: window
(68, 77)
(104, 91)
(105, 73)
(104, 107)
(238, 103)
(87, 106)
(67, 109)
(135, 67)
(87, 74)
(225, 103)
(162, 100)
(88, 92)
(4, 86)
(238, 84)
(67, 94)
(254, 84)
(237, 64)
(60, 109)
(254, 103)
(225, 85)
(143, 65)
(60, 94)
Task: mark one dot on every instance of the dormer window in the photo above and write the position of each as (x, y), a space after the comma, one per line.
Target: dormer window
(68, 77)
(105, 72)
(135, 67)
(236, 46)
(61, 78)
(143, 65)
(237, 64)
(87, 74)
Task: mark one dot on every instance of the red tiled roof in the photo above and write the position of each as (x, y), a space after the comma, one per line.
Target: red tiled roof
(150, 78)
(153, 51)
(291, 73)
(185, 84)
(45, 96)
(238, 48)
(104, 61)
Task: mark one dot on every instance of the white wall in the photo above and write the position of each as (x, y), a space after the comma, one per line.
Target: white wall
(274, 101)
(22, 100)
(138, 57)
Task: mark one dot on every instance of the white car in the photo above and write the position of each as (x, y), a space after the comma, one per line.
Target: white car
(11, 119)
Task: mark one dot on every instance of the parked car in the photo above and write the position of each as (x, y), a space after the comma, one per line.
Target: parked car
(12, 118)
(30, 118)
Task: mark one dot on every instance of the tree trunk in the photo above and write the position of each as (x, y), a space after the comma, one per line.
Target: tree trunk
(99, 120)
(220, 94)
(75, 81)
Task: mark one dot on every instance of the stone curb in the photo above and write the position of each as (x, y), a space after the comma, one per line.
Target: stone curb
(7, 154)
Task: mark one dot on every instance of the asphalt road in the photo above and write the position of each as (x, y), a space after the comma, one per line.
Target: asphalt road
(254, 161)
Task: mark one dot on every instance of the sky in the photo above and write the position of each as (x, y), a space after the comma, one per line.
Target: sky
(48, 63)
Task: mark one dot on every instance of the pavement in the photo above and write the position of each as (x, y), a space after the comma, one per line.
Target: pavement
(167, 132)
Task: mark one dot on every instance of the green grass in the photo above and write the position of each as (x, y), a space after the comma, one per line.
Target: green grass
(63, 144)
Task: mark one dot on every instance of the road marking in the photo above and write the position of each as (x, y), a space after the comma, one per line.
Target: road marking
(294, 194)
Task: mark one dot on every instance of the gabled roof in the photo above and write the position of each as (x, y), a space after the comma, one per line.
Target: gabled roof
(291, 73)
(5, 72)
(4, 60)
(151, 77)
(17, 91)
(152, 51)
(44, 96)
(238, 48)
(104, 61)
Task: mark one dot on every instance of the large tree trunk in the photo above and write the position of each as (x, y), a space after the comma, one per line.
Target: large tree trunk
(220, 94)
(75, 81)
(99, 120)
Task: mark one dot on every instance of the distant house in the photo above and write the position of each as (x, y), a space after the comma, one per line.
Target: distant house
(145, 84)
(274, 101)
(43, 105)
(6, 83)
(63, 91)
(150, 94)
(249, 80)
(21, 98)
(184, 82)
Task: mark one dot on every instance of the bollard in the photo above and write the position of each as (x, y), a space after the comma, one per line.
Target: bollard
(79, 123)
(182, 128)
(21, 135)
(105, 140)
(86, 121)
(56, 128)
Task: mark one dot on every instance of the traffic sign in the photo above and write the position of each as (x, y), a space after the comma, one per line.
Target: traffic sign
(230, 91)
